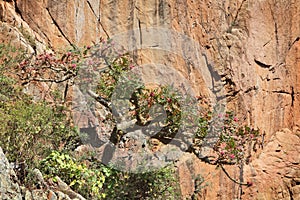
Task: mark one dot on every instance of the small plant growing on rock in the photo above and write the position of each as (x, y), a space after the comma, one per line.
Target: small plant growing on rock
(86, 181)
(96, 181)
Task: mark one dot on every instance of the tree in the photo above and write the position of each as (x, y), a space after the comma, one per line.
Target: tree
(159, 108)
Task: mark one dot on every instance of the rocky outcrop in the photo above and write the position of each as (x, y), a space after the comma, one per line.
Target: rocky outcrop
(10, 188)
(249, 46)
(63, 23)
(16, 31)
(277, 167)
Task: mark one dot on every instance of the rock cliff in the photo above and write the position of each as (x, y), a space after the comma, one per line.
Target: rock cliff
(252, 46)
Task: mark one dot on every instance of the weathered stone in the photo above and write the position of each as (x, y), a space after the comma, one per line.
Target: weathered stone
(186, 181)
(62, 196)
(16, 31)
(51, 195)
(39, 178)
(39, 195)
(8, 181)
(65, 188)
(278, 159)
(296, 190)
(62, 24)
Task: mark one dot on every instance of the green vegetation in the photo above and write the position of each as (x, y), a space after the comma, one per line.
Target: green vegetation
(40, 134)
(232, 140)
(98, 181)
(88, 182)
(29, 130)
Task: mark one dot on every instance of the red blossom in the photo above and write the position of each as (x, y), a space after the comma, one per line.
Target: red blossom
(231, 156)
(90, 62)
(131, 66)
(134, 113)
(223, 145)
(73, 66)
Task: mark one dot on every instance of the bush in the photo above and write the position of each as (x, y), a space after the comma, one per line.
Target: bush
(29, 130)
(159, 184)
(88, 182)
(97, 181)
(230, 140)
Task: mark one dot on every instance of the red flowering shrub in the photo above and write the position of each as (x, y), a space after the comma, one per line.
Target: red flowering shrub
(234, 139)
(50, 67)
(110, 64)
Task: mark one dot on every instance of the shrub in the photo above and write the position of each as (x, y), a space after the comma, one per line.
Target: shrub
(28, 129)
(122, 75)
(88, 182)
(159, 184)
(97, 181)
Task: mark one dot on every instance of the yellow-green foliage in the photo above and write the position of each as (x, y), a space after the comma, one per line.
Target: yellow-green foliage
(87, 182)
(98, 181)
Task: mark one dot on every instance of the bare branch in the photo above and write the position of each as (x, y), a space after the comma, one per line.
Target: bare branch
(235, 181)
(49, 80)
(100, 99)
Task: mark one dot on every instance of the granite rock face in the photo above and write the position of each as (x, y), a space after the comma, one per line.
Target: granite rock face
(277, 168)
(251, 44)
(249, 47)
(9, 187)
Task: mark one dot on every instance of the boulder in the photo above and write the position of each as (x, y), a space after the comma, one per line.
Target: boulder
(9, 186)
